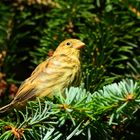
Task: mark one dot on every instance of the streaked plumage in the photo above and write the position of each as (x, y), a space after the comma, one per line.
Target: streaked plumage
(51, 76)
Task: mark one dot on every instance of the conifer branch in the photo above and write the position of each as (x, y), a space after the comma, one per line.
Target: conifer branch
(78, 112)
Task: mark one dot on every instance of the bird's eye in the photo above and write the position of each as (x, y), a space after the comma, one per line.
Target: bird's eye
(68, 44)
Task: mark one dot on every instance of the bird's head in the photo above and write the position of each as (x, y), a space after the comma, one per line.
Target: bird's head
(70, 47)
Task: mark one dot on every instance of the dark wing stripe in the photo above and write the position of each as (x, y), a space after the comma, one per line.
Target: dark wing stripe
(24, 96)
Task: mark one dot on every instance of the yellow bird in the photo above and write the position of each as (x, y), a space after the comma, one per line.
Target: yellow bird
(51, 76)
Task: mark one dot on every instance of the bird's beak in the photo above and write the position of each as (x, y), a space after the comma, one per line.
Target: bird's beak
(79, 45)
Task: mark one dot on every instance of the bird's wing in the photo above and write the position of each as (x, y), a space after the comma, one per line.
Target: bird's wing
(28, 88)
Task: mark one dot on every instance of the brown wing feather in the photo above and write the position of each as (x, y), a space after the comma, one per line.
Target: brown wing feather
(28, 89)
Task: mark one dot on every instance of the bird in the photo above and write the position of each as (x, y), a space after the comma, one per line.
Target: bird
(52, 76)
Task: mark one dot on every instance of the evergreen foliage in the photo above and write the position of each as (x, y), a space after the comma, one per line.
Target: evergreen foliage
(80, 113)
(31, 29)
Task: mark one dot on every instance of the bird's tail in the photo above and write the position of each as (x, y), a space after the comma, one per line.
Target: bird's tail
(6, 108)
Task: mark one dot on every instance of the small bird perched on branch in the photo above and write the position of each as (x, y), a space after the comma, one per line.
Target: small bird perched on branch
(51, 76)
